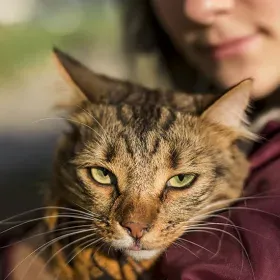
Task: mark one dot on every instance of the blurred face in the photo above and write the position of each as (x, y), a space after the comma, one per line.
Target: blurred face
(228, 40)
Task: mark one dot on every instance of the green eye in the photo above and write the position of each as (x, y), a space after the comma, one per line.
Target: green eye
(181, 180)
(102, 176)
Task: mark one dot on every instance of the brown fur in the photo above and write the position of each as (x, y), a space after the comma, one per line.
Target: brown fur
(144, 137)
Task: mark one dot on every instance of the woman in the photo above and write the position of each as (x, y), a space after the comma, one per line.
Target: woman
(210, 45)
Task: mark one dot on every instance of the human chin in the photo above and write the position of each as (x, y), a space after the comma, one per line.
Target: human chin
(263, 71)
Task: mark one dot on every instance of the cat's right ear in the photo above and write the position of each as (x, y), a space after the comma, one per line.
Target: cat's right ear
(87, 84)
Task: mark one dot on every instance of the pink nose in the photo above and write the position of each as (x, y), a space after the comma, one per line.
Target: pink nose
(136, 230)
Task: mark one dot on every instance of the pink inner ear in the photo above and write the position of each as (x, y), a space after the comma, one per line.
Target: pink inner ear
(230, 109)
(230, 113)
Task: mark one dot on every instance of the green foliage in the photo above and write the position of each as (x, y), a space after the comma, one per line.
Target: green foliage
(27, 44)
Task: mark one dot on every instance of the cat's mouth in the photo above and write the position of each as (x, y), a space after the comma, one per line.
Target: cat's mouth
(135, 247)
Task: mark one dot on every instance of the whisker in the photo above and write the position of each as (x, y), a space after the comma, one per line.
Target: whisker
(231, 223)
(238, 208)
(251, 209)
(234, 200)
(239, 242)
(109, 249)
(197, 229)
(41, 248)
(70, 120)
(205, 231)
(42, 218)
(40, 209)
(89, 114)
(44, 233)
(235, 226)
(63, 248)
(205, 215)
(196, 245)
(83, 248)
(180, 245)
(80, 206)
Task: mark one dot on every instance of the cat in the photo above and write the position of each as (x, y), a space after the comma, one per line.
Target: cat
(137, 169)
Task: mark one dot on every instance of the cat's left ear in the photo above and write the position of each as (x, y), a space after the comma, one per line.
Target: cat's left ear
(230, 109)
(87, 84)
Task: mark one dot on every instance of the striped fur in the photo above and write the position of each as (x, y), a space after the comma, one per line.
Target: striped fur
(144, 137)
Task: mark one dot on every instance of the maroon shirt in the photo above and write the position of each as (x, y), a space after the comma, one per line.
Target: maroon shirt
(250, 248)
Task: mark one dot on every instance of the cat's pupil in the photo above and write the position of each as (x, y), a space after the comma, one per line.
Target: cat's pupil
(105, 172)
(181, 177)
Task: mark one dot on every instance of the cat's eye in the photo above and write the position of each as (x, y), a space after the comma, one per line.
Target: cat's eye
(102, 176)
(182, 180)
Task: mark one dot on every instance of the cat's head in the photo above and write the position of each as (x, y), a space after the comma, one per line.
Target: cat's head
(145, 167)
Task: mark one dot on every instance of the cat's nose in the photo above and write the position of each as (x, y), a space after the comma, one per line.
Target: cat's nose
(136, 230)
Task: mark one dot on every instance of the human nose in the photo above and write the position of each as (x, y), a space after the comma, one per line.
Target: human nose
(206, 11)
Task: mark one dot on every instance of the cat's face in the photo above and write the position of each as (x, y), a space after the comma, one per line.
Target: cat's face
(149, 172)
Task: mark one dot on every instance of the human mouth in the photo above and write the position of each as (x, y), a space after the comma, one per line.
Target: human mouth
(232, 47)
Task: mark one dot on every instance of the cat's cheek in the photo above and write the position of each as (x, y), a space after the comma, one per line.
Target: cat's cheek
(153, 241)
(166, 229)
(170, 195)
(122, 243)
(155, 237)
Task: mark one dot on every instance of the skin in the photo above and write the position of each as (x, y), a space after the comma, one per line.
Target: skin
(191, 23)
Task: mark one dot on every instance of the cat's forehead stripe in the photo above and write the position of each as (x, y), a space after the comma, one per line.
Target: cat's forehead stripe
(148, 126)
(127, 143)
(121, 116)
(169, 121)
(174, 158)
(156, 145)
(145, 118)
(110, 152)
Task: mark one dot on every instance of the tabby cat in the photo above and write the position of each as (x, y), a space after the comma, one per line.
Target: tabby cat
(138, 168)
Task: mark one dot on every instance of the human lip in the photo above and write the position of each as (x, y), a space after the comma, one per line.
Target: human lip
(231, 47)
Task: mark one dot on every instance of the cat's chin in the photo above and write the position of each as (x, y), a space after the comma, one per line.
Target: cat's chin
(127, 246)
(139, 255)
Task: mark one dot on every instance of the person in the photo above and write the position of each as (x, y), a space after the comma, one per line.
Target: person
(208, 46)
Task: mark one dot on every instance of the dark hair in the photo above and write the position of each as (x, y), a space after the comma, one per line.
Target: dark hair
(144, 34)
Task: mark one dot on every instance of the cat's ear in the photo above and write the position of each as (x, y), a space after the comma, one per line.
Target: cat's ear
(87, 84)
(230, 109)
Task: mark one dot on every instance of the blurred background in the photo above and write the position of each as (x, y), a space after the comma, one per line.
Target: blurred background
(30, 84)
